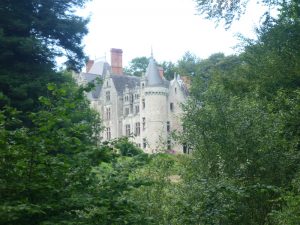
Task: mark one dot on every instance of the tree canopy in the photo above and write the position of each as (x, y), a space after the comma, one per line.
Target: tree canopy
(228, 11)
(32, 35)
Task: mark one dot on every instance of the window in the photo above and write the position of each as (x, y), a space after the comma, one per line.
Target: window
(126, 98)
(185, 148)
(139, 145)
(126, 111)
(168, 126)
(108, 133)
(137, 129)
(106, 83)
(107, 96)
(108, 113)
(143, 85)
(137, 109)
(169, 144)
(143, 103)
(144, 123)
(175, 90)
(127, 129)
(171, 106)
(144, 143)
(131, 98)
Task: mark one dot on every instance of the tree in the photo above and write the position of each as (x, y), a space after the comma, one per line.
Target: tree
(169, 69)
(187, 65)
(138, 66)
(45, 169)
(242, 123)
(32, 35)
(229, 10)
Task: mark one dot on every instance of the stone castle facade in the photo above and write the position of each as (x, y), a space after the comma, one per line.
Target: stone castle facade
(147, 109)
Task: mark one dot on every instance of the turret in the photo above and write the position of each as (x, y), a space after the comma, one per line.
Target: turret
(154, 114)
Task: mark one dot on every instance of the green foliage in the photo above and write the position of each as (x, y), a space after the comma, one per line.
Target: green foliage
(228, 11)
(137, 66)
(242, 122)
(32, 35)
(115, 180)
(159, 200)
(169, 69)
(127, 148)
(290, 213)
(45, 168)
(187, 65)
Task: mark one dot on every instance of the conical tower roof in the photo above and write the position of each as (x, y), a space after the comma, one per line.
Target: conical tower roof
(152, 74)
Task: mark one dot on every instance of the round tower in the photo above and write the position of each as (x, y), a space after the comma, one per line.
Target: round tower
(154, 109)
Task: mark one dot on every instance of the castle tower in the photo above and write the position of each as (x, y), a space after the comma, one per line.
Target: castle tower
(154, 109)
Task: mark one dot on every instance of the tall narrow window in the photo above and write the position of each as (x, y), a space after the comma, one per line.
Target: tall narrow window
(131, 98)
(126, 111)
(143, 103)
(185, 148)
(137, 109)
(171, 106)
(108, 113)
(168, 126)
(137, 129)
(175, 90)
(127, 129)
(144, 123)
(108, 133)
(169, 144)
(107, 96)
(144, 143)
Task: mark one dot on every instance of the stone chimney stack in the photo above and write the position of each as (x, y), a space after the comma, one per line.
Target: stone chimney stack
(89, 65)
(161, 71)
(116, 61)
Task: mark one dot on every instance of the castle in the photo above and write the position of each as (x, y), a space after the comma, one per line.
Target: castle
(147, 109)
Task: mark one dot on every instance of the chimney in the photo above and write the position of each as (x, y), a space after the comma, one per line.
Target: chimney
(161, 71)
(89, 65)
(116, 61)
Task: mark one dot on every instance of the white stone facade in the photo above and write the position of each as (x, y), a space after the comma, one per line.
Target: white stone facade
(147, 109)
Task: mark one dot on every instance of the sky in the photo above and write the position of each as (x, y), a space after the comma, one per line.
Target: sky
(169, 27)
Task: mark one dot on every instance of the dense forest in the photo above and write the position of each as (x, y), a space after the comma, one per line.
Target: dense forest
(241, 122)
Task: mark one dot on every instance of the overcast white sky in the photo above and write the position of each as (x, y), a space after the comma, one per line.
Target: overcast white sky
(171, 27)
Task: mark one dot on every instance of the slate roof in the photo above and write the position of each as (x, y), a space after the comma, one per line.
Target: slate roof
(100, 68)
(89, 76)
(121, 81)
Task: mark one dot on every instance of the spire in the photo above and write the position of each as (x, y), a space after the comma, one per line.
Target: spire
(152, 74)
